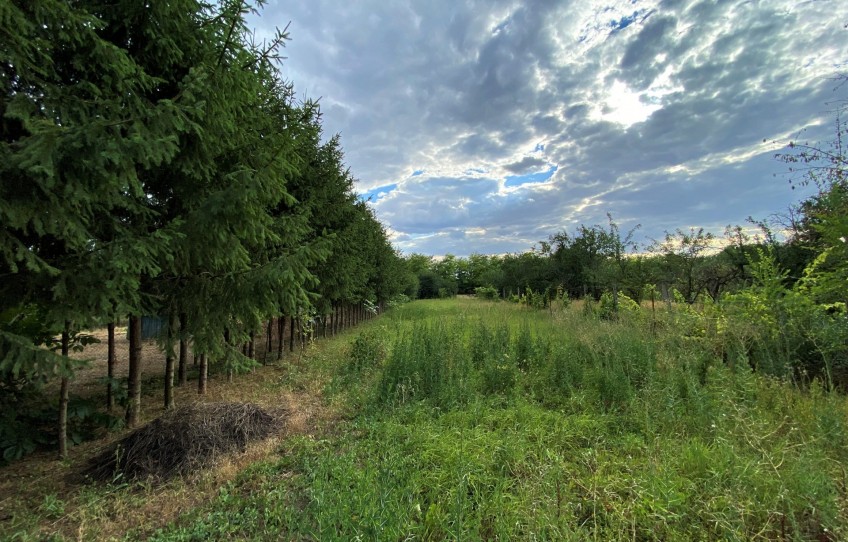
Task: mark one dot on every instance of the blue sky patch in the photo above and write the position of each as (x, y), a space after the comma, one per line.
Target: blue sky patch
(624, 22)
(378, 192)
(518, 180)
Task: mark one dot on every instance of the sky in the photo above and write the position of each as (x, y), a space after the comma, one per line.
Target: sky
(486, 126)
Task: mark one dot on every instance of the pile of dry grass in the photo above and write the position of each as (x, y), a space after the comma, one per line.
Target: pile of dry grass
(184, 441)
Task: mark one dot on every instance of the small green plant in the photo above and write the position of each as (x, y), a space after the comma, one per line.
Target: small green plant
(562, 296)
(52, 506)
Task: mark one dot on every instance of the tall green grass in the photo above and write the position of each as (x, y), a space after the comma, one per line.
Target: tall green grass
(487, 421)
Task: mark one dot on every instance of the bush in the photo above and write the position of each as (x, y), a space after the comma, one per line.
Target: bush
(486, 292)
(608, 311)
(398, 300)
(536, 300)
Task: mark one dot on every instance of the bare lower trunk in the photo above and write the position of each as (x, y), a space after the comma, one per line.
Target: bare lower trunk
(204, 373)
(183, 377)
(63, 400)
(281, 328)
(666, 295)
(291, 333)
(134, 381)
(226, 346)
(269, 344)
(110, 366)
(169, 364)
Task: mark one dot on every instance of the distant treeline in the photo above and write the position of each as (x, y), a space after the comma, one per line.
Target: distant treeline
(595, 259)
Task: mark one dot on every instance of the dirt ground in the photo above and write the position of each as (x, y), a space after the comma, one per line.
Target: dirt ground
(87, 378)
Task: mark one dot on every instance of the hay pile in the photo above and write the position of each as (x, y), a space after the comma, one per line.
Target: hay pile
(185, 440)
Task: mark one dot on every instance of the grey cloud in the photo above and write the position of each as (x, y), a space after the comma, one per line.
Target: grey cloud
(639, 62)
(525, 165)
(446, 85)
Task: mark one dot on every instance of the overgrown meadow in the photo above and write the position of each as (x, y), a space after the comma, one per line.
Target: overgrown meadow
(473, 420)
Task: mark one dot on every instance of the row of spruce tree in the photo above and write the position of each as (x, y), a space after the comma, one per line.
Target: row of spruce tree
(154, 161)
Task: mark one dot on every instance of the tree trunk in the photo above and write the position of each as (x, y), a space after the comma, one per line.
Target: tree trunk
(169, 363)
(281, 328)
(183, 377)
(299, 328)
(291, 333)
(63, 399)
(226, 345)
(666, 295)
(337, 319)
(134, 381)
(270, 344)
(202, 376)
(110, 366)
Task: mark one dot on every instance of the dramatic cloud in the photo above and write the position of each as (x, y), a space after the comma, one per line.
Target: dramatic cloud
(486, 126)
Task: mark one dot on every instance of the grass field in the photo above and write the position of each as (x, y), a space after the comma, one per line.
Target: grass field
(470, 420)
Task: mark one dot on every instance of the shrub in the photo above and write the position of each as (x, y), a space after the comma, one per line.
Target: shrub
(399, 299)
(536, 300)
(608, 311)
(486, 292)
